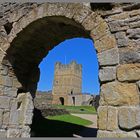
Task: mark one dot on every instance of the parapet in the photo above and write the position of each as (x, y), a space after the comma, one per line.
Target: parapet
(73, 66)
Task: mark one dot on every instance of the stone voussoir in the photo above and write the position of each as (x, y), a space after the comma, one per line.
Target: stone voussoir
(101, 29)
(101, 44)
(91, 21)
(53, 9)
(81, 13)
(109, 57)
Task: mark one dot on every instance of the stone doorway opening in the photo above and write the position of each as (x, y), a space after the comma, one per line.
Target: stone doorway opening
(62, 101)
(73, 100)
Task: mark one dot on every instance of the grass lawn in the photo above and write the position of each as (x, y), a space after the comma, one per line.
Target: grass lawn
(70, 119)
(78, 109)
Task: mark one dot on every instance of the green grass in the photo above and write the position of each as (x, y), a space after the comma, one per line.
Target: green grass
(78, 109)
(58, 126)
(70, 119)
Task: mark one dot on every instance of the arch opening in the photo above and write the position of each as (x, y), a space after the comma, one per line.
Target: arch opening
(62, 101)
(73, 100)
(33, 43)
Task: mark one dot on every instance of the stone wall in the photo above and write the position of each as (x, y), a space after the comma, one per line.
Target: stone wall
(116, 35)
(43, 100)
(119, 75)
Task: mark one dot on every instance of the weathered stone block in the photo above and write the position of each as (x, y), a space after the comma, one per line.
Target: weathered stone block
(134, 13)
(100, 31)
(41, 10)
(16, 83)
(112, 122)
(3, 133)
(128, 72)
(122, 42)
(133, 33)
(70, 9)
(21, 116)
(81, 13)
(14, 115)
(28, 118)
(13, 133)
(4, 44)
(13, 105)
(6, 117)
(135, 24)
(11, 92)
(16, 27)
(121, 16)
(109, 57)
(6, 81)
(25, 132)
(29, 101)
(90, 21)
(101, 44)
(118, 26)
(102, 117)
(115, 93)
(4, 102)
(117, 134)
(53, 9)
(128, 56)
(107, 74)
(129, 118)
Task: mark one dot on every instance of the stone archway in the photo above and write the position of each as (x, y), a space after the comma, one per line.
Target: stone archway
(62, 101)
(116, 102)
(73, 100)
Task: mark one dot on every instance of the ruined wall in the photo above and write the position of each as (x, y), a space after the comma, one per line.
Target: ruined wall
(116, 35)
(43, 99)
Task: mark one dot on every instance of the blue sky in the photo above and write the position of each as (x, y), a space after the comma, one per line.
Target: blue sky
(80, 49)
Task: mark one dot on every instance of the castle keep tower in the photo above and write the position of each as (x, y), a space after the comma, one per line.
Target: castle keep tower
(67, 81)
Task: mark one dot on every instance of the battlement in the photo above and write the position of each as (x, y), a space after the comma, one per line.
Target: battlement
(72, 66)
